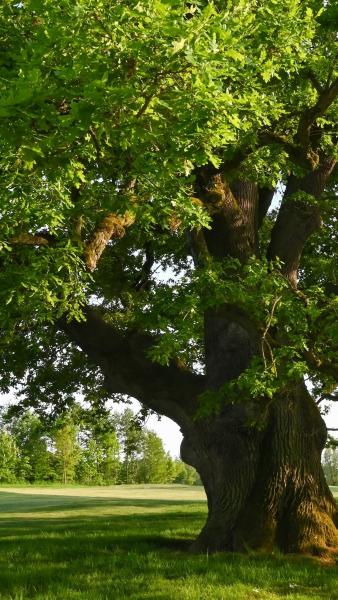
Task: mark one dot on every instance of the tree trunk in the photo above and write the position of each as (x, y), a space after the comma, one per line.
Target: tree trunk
(225, 453)
(265, 490)
(265, 486)
(290, 503)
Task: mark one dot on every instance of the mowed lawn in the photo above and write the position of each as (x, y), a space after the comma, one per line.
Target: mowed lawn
(107, 543)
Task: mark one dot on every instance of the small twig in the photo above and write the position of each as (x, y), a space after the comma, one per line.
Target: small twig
(264, 340)
(95, 142)
(316, 84)
(329, 397)
(145, 105)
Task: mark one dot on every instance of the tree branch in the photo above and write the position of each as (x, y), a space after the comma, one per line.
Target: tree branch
(271, 137)
(143, 279)
(325, 99)
(123, 357)
(28, 239)
(265, 196)
(316, 84)
(320, 364)
(112, 226)
(298, 219)
(329, 397)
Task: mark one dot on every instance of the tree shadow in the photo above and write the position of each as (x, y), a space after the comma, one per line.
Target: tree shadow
(139, 555)
(14, 502)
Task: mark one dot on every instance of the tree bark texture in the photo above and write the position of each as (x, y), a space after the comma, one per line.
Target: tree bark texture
(265, 490)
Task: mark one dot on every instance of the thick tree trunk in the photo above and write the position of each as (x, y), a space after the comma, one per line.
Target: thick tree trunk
(266, 489)
(225, 453)
(290, 505)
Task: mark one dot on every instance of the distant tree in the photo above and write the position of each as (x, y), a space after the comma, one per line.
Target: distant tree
(8, 458)
(88, 466)
(153, 464)
(171, 469)
(330, 465)
(184, 474)
(34, 457)
(67, 451)
(131, 437)
(110, 457)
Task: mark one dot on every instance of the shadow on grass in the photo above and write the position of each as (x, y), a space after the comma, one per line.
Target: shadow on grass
(14, 502)
(140, 556)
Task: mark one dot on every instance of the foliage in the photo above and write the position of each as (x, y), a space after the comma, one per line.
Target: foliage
(77, 450)
(113, 107)
(153, 466)
(330, 465)
(8, 458)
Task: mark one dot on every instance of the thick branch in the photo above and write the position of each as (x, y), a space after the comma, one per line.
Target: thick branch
(233, 212)
(298, 219)
(198, 248)
(325, 99)
(112, 226)
(265, 138)
(123, 357)
(28, 239)
(265, 196)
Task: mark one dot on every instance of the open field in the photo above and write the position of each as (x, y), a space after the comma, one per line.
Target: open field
(129, 542)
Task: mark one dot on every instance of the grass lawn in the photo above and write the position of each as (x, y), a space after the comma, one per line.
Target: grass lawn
(129, 542)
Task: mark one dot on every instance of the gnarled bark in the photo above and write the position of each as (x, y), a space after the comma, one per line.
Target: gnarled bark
(265, 487)
(112, 226)
(225, 452)
(265, 490)
(290, 505)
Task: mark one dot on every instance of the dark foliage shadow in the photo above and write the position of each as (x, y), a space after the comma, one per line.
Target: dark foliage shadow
(122, 555)
(14, 502)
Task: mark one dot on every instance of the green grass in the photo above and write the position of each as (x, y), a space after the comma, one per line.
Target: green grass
(130, 542)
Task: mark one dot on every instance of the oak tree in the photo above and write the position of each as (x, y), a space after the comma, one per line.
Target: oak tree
(142, 145)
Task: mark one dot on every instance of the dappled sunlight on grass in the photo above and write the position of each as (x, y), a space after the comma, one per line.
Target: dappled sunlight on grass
(97, 548)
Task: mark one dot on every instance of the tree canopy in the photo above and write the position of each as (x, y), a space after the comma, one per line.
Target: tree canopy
(142, 145)
(110, 112)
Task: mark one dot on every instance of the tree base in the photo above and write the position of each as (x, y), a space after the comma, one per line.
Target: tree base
(268, 493)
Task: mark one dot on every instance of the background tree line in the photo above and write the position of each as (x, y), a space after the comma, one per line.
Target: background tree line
(109, 449)
(330, 461)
